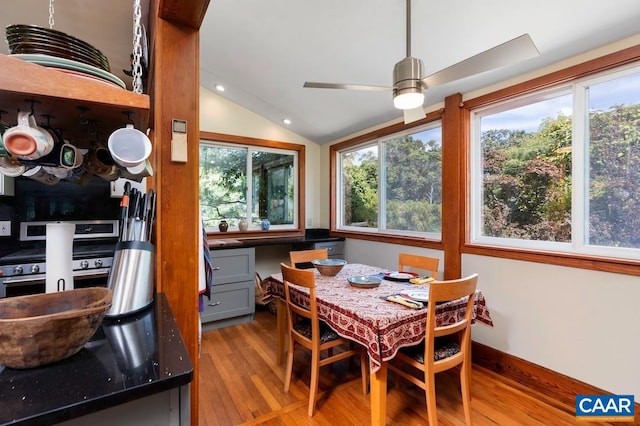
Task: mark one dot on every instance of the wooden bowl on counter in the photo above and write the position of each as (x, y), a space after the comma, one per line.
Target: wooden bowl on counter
(41, 329)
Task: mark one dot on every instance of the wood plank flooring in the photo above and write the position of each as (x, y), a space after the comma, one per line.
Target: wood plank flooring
(240, 384)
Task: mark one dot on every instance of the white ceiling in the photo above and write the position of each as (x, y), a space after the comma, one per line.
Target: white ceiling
(263, 51)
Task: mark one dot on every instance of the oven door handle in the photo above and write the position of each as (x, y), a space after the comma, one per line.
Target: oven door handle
(91, 273)
(22, 280)
(41, 278)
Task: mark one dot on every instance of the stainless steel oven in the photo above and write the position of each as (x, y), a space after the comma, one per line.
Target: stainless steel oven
(24, 270)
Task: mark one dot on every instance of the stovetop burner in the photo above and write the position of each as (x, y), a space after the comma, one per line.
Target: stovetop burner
(93, 248)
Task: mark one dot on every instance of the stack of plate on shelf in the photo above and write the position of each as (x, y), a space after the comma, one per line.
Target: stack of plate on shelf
(55, 49)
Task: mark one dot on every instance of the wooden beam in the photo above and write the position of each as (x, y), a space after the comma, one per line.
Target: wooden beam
(175, 82)
(452, 183)
(184, 12)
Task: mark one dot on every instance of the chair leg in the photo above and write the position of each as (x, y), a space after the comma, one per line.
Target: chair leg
(465, 382)
(430, 392)
(313, 387)
(289, 370)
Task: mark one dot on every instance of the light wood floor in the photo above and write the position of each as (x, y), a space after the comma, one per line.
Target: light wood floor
(240, 384)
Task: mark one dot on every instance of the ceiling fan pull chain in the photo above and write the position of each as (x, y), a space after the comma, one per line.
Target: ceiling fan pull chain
(51, 11)
(137, 48)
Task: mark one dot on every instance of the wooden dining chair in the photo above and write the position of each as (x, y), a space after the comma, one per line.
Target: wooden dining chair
(301, 259)
(306, 330)
(444, 347)
(410, 262)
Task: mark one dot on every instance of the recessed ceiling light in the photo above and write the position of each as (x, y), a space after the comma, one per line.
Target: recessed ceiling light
(286, 121)
(219, 87)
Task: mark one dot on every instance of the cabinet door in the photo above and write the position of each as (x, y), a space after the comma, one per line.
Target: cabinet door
(334, 248)
(230, 300)
(233, 265)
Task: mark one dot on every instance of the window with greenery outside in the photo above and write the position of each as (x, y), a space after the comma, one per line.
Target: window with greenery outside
(529, 179)
(246, 182)
(526, 186)
(394, 185)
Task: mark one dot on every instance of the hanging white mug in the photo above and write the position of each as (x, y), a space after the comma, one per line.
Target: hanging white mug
(27, 140)
(129, 146)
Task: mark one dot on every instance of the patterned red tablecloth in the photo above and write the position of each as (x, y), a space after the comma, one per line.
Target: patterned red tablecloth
(361, 314)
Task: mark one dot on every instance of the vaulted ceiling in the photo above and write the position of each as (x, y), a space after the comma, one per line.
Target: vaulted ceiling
(263, 51)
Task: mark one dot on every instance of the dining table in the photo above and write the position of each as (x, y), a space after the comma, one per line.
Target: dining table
(364, 315)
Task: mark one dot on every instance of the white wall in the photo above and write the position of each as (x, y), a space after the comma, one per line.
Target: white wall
(222, 116)
(385, 255)
(581, 323)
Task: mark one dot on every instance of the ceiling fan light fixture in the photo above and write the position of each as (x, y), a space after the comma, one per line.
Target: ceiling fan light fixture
(409, 99)
(407, 87)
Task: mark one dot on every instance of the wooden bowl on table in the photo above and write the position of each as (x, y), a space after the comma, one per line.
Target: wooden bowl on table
(41, 329)
(329, 267)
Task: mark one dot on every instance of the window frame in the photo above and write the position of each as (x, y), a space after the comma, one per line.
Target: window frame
(297, 229)
(475, 178)
(567, 76)
(372, 138)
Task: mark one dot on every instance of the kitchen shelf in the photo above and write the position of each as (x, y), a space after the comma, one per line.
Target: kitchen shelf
(76, 105)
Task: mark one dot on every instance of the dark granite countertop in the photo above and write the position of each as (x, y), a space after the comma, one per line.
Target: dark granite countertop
(311, 236)
(126, 359)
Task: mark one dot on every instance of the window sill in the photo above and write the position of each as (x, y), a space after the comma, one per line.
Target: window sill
(619, 266)
(390, 239)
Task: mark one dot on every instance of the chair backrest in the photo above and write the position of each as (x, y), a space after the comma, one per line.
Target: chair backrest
(299, 258)
(410, 262)
(444, 291)
(302, 278)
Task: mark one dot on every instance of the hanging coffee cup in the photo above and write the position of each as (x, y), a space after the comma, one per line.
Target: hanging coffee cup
(140, 171)
(129, 146)
(10, 168)
(59, 172)
(27, 140)
(41, 175)
(99, 162)
(70, 156)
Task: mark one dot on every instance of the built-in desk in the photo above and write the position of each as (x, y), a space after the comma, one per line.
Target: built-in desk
(234, 270)
(134, 371)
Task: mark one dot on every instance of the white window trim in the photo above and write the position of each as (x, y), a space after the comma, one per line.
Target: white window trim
(379, 143)
(580, 169)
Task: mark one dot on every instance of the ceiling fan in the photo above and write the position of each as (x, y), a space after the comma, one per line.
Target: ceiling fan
(409, 83)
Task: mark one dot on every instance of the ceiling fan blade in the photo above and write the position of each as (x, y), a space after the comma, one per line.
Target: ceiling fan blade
(413, 114)
(315, 85)
(512, 51)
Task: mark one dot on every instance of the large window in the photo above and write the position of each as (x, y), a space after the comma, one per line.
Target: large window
(392, 185)
(559, 170)
(248, 182)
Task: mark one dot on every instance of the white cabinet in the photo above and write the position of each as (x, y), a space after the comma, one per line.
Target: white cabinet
(233, 291)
